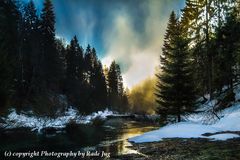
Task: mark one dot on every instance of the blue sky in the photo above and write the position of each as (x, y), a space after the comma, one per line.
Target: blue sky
(128, 31)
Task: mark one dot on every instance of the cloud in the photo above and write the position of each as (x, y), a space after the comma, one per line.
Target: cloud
(86, 21)
(137, 51)
(72, 18)
(128, 31)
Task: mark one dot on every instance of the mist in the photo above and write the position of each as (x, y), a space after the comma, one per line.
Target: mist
(137, 47)
(142, 98)
(128, 31)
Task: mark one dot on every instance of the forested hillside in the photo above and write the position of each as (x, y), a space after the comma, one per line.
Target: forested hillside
(200, 57)
(45, 74)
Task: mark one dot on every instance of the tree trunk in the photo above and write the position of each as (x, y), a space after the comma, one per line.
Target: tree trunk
(179, 118)
(209, 55)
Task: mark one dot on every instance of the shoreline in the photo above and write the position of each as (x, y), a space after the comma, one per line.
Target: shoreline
(185, 149)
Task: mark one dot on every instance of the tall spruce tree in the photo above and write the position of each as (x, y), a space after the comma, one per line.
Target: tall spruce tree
(120, 81)
(199, 18)
(175, 92)
(98, 83)
(9, 18)
(74, 73)
(191, 21)
(73, 51)
(85, 81)
(50, 59)
(28, 59)
(117, 96)
(227, 45)
(113, 85)
(95, 83)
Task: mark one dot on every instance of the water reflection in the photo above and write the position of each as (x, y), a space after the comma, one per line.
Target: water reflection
(111, 137)
(116, 142)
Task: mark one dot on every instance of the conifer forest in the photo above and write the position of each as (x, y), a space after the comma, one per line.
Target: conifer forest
(126, 79)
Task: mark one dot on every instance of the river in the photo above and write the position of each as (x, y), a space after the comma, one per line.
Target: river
(109, 138)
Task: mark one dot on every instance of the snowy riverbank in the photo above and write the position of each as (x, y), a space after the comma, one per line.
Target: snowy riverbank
(17, 120)
(197, 125)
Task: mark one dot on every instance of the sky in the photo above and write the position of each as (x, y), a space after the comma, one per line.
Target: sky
(128, 31)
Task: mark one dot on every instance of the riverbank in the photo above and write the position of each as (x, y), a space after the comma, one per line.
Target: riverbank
(185, 149)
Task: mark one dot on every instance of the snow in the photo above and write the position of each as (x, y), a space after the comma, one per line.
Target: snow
(194, 130)
(229, 122)
(99, 114)
(196, 125)
(178, 130)
(237, 93)
(224, 136)
(15, 120)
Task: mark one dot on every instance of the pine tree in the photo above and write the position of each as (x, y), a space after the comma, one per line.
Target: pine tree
(95, 82)
(175, 91)
(191, 21)
(98, 83)
(227, 44)
(9, 18)
(74, 73)
(199, 17)
(50, 59)
(88, 104)
(72, 59)
(113, 85)
(120, 81)
(61, 49)
(87, 64)
(28, 59)
(117, 96)
(124, 101)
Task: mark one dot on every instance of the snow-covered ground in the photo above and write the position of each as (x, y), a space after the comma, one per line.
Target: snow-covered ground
(15, 120)
(196, 125)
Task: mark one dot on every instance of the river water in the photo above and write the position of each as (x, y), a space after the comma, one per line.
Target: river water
(110, 138)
